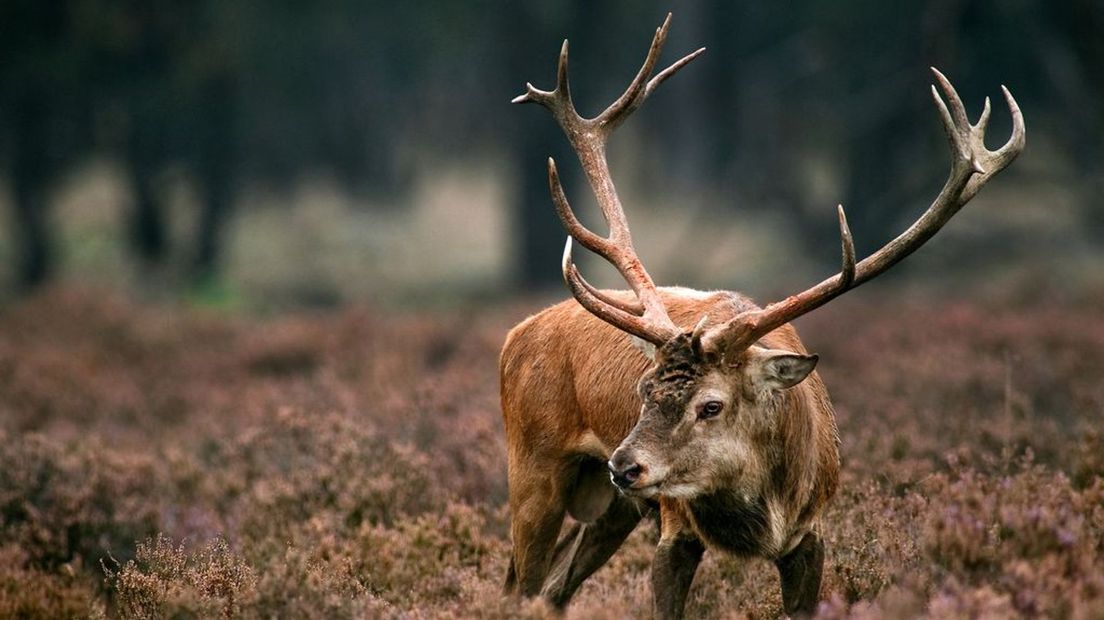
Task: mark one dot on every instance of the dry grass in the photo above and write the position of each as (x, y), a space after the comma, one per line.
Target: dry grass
(158, 463)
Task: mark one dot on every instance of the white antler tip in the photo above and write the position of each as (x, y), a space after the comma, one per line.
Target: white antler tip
(701, 323)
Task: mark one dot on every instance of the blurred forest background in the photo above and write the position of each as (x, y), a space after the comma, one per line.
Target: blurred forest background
(304, 154)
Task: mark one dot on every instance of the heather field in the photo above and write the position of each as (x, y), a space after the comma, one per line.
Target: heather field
(165, 462)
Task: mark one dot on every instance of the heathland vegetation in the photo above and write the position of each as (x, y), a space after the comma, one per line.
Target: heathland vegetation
(160, 462)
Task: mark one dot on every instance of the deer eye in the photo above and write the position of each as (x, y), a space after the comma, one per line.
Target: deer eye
(710, 409)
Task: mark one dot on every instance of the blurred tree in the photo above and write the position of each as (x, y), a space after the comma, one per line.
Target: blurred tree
(43, 119)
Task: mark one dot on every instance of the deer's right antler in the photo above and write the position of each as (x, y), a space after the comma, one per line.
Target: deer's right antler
(646, 318)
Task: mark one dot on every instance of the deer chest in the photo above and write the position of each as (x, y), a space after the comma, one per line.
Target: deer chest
(734, 522)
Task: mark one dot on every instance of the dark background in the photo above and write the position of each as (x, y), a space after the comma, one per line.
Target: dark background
(298, 154)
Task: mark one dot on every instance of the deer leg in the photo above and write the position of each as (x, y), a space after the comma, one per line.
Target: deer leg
(587, 546)
(537, 507)
(800, 571)
(676, 560)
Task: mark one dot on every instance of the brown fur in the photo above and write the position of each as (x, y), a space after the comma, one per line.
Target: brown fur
(569, 396)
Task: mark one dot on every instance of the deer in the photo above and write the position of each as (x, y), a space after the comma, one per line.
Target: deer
(701, 404)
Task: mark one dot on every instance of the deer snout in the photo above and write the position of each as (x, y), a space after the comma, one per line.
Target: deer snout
(624, 470)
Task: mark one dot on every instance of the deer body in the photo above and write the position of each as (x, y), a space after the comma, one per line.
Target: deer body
(569, 398)
(702, 404)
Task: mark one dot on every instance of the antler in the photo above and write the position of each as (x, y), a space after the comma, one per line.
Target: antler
(647, 317)
(972, 166)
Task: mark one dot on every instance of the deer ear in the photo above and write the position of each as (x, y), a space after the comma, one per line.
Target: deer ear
(645, 347)
(779, 369)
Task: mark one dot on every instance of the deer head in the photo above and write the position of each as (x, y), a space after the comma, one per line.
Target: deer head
(715, 394)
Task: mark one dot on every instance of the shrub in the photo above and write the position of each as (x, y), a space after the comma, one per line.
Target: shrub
(164, 581)
(75, 503)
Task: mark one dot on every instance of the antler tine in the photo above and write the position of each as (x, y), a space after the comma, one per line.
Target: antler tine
(662, 76)
(972, 165)
(562, 85)
(958, 111)
(558, 100)
(641, 86)
(631, 99)
(983, 121)
(576, 281)
(847, 271)
(1018, 139)
(574, 227)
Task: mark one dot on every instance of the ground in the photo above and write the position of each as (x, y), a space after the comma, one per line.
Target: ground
(158, 461)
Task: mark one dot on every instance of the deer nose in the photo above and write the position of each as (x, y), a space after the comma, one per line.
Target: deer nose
(624, 470)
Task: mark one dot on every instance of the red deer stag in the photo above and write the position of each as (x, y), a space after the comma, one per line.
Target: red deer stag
(722, 422)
